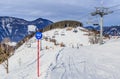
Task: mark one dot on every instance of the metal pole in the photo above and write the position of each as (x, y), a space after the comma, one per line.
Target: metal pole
(41, 44)
(101, 30)
(101, 11)
(38, 36)
(38, 59)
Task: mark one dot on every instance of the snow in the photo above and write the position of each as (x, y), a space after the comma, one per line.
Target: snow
(12, 43)
(89, 62)
(85, 62)
(69, 37)
(9, 28)
(31, 28)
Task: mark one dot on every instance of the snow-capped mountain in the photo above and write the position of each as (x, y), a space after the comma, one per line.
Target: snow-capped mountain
(16, 28)
(90, 27)
(114, 30)
(72, 61)
(110, 30)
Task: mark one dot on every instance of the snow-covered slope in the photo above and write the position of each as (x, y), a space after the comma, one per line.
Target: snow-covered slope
(69, 37)
(85, 62)
(91, 62)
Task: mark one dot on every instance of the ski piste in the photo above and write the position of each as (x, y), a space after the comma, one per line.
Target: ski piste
(69, 62)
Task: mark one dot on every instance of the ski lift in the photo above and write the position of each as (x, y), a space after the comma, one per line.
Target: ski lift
(95, 24)
(56, 33)
(75, 30)
(62, 33)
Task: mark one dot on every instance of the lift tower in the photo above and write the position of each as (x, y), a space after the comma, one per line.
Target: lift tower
(101, 11)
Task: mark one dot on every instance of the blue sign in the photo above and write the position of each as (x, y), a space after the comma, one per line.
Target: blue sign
(38, 35)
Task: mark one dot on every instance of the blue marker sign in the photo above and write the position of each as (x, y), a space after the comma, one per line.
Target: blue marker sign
(38, 35)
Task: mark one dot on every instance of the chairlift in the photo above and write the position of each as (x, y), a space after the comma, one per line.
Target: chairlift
(95, 24)
(75, 30)
(56, 33)
(63, 33)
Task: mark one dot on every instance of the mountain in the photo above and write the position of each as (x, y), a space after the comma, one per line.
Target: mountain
(16, 28)
(113, 30)
(90, 27)
(41, 23)
(109, 30)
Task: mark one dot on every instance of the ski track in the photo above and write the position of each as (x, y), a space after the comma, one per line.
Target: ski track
(69, 66)
(72, 66)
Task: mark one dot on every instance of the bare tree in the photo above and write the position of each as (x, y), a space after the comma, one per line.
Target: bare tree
(6, 40)
(6, 53)
(6, 63)
(93, 37)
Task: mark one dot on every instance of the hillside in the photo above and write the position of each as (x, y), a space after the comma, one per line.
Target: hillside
(63, 24)
(16, 29)
(76, 59)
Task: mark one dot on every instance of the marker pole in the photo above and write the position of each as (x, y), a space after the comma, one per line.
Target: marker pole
(38, 37)
(38, 59)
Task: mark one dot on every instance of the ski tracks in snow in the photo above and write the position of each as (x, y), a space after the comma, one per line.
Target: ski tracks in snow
(72, 64)
(66, 66)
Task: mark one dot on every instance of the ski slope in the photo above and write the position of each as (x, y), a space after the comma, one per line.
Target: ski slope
(83, 62)
(69, 37)
(91, 62)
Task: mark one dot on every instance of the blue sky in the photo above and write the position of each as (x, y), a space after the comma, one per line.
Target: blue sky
(57, 10)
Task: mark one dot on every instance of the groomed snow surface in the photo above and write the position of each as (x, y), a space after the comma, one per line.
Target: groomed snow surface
(70, 62)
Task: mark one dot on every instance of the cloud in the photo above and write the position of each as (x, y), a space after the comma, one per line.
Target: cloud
(54, 10)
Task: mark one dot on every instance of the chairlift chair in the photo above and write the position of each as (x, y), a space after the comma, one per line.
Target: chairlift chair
(63, 33)
(56, 33)
(75, 30)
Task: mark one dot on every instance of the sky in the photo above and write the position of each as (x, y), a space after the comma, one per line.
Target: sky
(57, 10)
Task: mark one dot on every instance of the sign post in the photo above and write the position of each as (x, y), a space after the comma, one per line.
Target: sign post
(38, 37)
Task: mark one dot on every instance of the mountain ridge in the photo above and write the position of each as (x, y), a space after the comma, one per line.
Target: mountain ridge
(107, 30)
(16, 28)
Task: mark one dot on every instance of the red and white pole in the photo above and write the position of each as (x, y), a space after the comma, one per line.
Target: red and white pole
(38, 37)
(38, 58)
